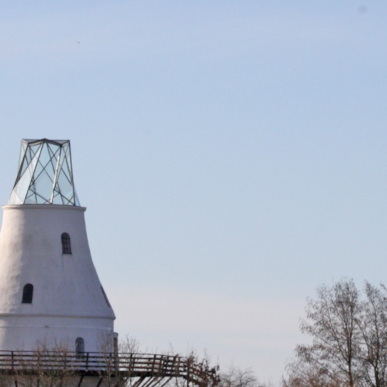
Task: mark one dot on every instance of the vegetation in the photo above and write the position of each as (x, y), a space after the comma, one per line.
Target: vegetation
(238, 377)
(348, 329)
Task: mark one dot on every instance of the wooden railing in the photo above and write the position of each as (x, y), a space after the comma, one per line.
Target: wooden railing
(123, 365)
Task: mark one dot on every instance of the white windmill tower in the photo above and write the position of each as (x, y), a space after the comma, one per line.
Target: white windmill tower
(49, 288)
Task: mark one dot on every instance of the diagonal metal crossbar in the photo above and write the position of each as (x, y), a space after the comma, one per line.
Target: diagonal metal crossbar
(143, 370)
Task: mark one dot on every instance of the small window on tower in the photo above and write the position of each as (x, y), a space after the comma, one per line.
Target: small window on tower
(28, 292)
(79, 346)
(66, 243)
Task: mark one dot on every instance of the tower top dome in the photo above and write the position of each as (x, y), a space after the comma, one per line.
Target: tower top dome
(45, 174)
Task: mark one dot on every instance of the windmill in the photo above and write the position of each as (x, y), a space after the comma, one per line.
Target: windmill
(56, 322)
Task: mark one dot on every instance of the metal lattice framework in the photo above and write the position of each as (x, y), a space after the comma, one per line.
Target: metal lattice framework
(45, 174)
(124, 369)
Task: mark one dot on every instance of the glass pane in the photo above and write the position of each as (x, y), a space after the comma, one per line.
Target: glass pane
(77, 203)
(15, 199)
(23, 168)
(65, 170)
(43, 186)
(23, 185)
(53, 150)
(57, 199)
(64, 186)
(68, 163)
(65, 201)
(44, 155)
(40, 200)
(34, 149)
(51, 166)
(22, 151)
(31, 200)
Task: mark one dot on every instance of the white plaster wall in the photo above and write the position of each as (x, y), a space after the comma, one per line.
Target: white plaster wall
(68, 301)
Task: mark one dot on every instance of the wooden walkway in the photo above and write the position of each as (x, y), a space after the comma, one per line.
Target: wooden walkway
(142, 370)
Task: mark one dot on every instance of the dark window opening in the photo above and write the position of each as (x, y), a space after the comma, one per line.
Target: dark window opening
(28, 292)
(66, 243)
(79, 346)
(105, 296)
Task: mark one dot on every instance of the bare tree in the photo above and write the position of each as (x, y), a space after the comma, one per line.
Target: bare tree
(46, 366)
(302, 374)
(332, 323)
(373, 327)
(203, 370)
(238, 377)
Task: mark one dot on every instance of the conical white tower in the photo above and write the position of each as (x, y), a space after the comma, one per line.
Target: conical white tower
(49, 288)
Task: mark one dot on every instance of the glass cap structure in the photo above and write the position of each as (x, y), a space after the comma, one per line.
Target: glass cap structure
(45, 174)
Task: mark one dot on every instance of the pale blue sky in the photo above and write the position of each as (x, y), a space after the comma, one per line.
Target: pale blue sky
(232, 155)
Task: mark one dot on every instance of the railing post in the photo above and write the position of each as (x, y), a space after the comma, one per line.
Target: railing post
(12, 360)
(87, 361)
(154, 364)
(116, 361)
(188, 369)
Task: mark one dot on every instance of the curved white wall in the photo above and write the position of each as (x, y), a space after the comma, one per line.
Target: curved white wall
(67, 301)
